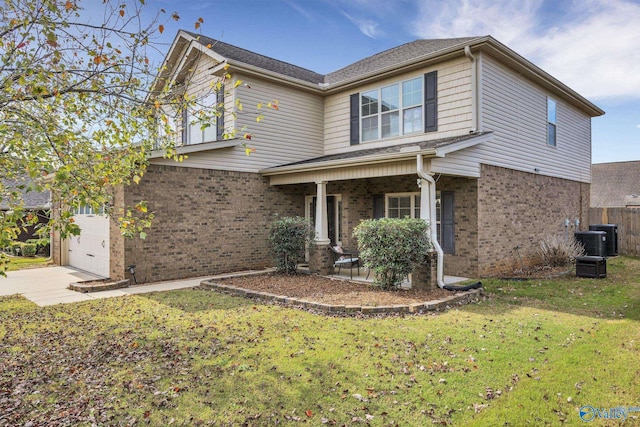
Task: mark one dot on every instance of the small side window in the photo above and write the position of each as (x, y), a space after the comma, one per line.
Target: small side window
(551, 122)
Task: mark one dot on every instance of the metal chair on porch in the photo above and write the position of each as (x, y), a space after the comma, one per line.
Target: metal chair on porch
(343, 257)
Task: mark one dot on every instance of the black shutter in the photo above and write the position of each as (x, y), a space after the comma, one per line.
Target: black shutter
(431, 101)
(355, 119)
(220, 118)
(378, 206)
(447, 222)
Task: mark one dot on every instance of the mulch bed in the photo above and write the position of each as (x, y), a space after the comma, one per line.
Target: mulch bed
(332, 291)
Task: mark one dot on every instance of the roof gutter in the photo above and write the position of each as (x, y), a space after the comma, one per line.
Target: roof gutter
(475, 107)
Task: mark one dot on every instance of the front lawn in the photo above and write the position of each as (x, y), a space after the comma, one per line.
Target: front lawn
(19, 263)
(533, 353)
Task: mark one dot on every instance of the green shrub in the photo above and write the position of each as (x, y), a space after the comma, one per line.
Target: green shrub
(392, 247)
(29, 249)
(43, 245)
(288, 239)
(16, 248)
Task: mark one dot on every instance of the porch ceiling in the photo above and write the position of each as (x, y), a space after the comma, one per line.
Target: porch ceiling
(370, 162)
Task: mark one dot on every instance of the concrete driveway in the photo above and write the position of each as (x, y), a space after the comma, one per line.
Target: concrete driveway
(48, 285)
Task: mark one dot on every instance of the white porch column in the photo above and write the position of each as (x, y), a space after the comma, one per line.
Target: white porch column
(425, 200)
(322, 224)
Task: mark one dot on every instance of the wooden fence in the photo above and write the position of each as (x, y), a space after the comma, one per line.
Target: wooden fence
(628, 222)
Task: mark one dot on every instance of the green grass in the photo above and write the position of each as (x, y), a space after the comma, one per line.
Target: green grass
(19, 263)
(532, 353)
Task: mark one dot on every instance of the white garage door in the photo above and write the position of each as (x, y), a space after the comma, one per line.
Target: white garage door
(90, 250)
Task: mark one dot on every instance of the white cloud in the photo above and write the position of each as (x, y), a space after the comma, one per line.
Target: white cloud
(302, 11)
(593, 46)
(367, 27)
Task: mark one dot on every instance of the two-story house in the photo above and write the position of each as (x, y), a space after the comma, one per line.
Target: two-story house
(495, 149)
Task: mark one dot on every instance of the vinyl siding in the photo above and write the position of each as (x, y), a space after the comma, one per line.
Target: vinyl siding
(347, 173)
(454, 108)
(515, 109)
(292, 133)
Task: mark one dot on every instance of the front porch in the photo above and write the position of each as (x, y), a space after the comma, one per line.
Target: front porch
(408, 180)
(364, 277)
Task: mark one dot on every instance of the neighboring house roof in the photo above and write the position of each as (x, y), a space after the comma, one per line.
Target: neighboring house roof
(612, 183)
(32, 199)
(437, 147)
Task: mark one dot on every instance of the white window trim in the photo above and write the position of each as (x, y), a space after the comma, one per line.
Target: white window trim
(554, 122)
(409, 194)
(401, 110)
(193, 125)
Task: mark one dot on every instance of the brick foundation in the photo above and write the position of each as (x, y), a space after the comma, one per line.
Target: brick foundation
(520, 209)
(320, 260)
(425, 276)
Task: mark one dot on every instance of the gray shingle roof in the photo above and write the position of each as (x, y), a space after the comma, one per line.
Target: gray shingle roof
(396, 55)
(611, 183)
(32, 199)
(379, 61)
(424, 145)
(255, 59)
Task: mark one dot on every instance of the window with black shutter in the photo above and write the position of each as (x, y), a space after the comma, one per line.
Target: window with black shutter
(401, 108)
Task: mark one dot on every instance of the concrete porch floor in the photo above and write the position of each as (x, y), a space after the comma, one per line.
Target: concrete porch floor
(344, 273)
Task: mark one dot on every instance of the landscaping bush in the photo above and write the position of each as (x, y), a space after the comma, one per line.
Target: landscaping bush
(16, 248)
(43, 246)
(288, 239)
(392, 247)
(29, 249)
(556, 251)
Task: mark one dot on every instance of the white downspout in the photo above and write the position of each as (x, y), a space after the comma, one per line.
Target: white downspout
(475, 115)
(429, 193)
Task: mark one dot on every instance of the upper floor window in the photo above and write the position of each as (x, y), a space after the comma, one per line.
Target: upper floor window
(199, 123)
(551, 122)
(204, 122)
(401, 108)
(382, 108)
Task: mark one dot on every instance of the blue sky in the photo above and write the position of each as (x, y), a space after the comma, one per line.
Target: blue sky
(593, 46)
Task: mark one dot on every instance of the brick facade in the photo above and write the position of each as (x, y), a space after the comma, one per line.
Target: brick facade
(520, 209)
(206, 222)
(210, 222)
